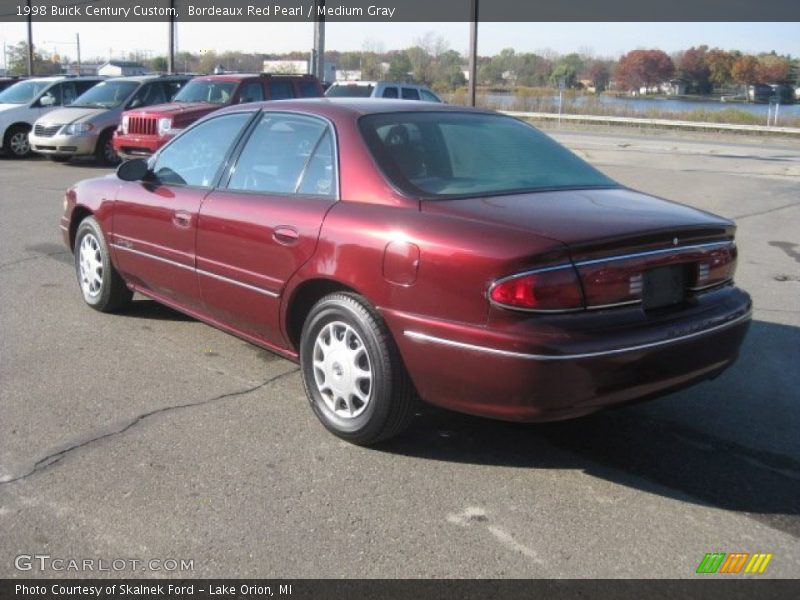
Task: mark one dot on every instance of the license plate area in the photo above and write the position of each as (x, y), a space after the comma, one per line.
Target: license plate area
(664, 286)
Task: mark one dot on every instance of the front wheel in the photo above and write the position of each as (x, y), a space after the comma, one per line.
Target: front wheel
(104, 151)
(352, 372)
(15, 143)
(102, 287)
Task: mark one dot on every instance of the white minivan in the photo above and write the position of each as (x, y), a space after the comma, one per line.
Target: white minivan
(23, 103)
(381, 89)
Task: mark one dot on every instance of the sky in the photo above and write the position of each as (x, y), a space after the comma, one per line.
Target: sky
(115, 40)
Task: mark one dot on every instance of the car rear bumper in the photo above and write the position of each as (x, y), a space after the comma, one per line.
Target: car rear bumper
(537, 373)
(64, 145)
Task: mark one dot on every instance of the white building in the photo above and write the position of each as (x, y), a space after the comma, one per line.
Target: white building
(121, 68)
(286, 67)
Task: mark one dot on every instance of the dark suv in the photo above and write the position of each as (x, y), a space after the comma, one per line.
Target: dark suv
(142, 132)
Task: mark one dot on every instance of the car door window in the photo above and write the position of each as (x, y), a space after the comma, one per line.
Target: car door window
(83, 86)
(68, 94)
(280, 90)
(390, 92)
(251, 92)
(171, 88)
(196, 157)
(55, 93)
(428, 96)
(410, 94)
(151, 94)
(286, 154)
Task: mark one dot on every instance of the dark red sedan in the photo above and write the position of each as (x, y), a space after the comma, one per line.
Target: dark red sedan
(401, 251)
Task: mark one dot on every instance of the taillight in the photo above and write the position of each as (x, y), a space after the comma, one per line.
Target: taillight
(612, 283)
(717, 266)
(546, 290)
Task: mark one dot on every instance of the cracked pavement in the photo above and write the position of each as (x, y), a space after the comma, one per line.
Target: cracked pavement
(151, 435)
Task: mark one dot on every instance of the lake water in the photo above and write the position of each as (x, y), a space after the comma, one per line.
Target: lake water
(643, 105)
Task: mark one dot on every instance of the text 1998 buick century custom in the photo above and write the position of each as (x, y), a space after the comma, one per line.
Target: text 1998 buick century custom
(401, 251)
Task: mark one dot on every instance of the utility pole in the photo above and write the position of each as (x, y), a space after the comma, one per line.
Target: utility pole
(171, 53)
(318, 55)
(78, 43)
(30, 41)
(473, 52)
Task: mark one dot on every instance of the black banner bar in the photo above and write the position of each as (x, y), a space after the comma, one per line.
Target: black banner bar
(723, 587)
(403, 10)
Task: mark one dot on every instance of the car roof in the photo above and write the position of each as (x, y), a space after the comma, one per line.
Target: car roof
(146, 78)
(352, 107)
(241, 76)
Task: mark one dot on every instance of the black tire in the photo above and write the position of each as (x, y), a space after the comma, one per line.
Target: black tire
(59, 158)
(15, 141)
(391, 396)
(108, 293)
(104, 152)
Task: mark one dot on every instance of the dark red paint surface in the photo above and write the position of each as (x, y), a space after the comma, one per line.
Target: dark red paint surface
(252, 264)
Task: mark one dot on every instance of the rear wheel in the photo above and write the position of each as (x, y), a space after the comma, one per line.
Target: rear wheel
(102, 287)
(104, 151)
(15, 142)
(352, 372)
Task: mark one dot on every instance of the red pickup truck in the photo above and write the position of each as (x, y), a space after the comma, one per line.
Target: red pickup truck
(143, 131)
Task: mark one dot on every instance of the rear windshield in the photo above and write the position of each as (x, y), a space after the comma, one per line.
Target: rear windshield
(444, 154)
(215, 92)
(350, 91)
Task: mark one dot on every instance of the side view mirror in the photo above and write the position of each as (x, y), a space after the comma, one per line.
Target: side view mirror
(133, 170)
(47, 100)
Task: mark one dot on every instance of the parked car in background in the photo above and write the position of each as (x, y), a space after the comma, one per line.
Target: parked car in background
(8, 82)
(86, 127)
(22, 103)
(381, 89)
(143, 131)
(399, 248)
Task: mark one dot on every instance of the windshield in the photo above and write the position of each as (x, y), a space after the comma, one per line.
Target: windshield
(350, 91)
(23, 92)
(106, 94)
(215, 92)
(443, 154)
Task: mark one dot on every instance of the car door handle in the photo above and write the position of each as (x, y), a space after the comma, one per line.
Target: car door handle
(286, 235)
(182, 219)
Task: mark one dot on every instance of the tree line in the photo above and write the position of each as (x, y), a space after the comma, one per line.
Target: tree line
(430, 61)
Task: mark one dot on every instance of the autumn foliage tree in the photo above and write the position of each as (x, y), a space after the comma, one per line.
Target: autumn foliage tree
(773, 69)
(693, 68)
(720, 62)
(644, 68)
(745, 70)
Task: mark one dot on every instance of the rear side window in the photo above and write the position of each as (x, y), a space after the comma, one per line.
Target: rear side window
(350, 90)
(280, 90)
(451, 154)
(390, 92)
(286, 154)
(410, 94)
(428, 96)
(251, 92)
(308, 89)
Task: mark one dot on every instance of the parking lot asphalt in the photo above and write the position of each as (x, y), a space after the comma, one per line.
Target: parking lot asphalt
(149, 435)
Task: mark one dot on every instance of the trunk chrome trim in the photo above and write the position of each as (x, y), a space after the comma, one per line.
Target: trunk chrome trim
(673, 250)
(424, 337)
